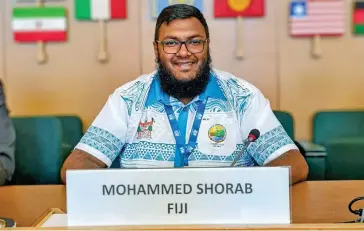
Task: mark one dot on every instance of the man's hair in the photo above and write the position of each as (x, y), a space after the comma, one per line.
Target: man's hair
(179, 11)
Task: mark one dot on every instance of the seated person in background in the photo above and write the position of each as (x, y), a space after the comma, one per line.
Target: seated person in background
(148, 122)
(7, 141)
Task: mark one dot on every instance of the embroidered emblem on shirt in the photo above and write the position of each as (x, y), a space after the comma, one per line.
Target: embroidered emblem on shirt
(145, 129)
(217, 133)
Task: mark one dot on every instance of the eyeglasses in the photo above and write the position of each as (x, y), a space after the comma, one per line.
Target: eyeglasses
(193, 46)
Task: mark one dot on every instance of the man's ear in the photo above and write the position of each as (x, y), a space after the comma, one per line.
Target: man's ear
(155, 45)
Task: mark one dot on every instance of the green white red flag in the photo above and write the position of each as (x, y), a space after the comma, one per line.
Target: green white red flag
(31, 24)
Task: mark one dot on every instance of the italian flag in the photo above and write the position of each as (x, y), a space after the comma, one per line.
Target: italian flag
(31, 24)
(100, 9)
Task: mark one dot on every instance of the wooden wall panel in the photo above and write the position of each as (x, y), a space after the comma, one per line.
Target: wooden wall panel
(308, 85)
(259, 65)
(72, 81)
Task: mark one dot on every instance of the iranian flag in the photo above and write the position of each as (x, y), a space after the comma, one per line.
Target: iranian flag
(31, 24)
(100, 9)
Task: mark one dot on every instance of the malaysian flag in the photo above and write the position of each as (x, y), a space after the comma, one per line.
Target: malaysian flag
(317, 17)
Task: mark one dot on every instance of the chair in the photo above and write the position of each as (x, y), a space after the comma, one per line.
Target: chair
(38, 154)
(328, 125)
(342, 134)
(345, 159)
(286, 119)
(72, 131)
(314, 154)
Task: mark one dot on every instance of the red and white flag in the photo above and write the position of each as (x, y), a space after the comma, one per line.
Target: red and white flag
(32, 24)
(317, 17)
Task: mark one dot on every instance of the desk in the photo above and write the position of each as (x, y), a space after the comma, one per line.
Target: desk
(312, 201)
(26, 204)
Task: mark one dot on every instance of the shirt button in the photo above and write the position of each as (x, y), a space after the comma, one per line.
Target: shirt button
(185, 109)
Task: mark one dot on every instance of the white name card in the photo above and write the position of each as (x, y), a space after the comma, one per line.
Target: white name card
(108, 197)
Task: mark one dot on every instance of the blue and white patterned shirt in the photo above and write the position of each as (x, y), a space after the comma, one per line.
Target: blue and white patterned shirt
(133, 125)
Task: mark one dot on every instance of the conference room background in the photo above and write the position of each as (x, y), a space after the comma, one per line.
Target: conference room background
(73, 81)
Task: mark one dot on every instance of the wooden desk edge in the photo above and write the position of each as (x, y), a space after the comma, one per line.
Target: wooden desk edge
(321, 227)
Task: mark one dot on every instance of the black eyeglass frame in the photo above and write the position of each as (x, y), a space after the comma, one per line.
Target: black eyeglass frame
(184, 43)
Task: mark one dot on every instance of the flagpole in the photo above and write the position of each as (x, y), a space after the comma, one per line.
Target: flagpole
(239, 34)
(316, 49)
(41, 57)
(102, 56)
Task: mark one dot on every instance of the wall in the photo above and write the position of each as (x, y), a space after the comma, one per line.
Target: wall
(75, 83)
(308, 85)
(72, 82)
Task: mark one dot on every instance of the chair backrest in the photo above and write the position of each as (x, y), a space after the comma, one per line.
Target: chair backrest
(38, 154)
(72, 129)
(345, 159)
(286, 119)
(328, 125)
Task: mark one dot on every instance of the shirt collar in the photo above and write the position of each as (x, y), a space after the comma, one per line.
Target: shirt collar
(156, 93)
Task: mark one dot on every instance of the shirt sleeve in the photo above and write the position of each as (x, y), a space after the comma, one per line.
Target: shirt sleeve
(274, 140)
(106, 136)
(7, 137)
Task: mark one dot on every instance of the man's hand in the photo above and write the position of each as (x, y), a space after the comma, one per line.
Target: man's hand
(298, 164)
(80, 160)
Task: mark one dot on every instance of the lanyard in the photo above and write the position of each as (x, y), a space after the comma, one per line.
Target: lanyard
(185, 150)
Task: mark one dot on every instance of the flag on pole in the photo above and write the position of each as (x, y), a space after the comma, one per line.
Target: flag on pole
(358, 18)
(317, 17)
(159, 5)
(32, 24)
(235, 8)
(239, 9)
(100, 9)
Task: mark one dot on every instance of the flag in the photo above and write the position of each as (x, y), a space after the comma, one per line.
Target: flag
(317, 17)
(159, 5)
(100, 9)
(31, 24)
(235, 8)
(358, 18)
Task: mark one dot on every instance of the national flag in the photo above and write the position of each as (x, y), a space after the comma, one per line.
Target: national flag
(235, 8)
(159, 5)
(31, 24)
(317, 17)
(100, 9)
(358, 17)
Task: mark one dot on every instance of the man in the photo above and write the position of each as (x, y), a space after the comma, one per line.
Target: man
(7, 142)
(150, 122)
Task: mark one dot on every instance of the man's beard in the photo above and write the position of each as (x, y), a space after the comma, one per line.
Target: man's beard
(181, 89)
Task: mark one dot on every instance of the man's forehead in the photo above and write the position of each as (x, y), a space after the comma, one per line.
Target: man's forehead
(189, 27)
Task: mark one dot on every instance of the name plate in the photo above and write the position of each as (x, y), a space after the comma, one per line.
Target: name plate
(115, 197)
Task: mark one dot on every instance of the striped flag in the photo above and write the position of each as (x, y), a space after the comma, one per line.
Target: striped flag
(358, 18)
(100, 9)
(31, 24)
(317, 17)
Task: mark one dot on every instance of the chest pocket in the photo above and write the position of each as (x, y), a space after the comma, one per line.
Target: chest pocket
(133, 126)
(218, 134)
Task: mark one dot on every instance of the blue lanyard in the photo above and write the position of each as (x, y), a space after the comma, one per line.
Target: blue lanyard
(185, 150)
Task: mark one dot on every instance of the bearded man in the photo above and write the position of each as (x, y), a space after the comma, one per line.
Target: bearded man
(185, 113)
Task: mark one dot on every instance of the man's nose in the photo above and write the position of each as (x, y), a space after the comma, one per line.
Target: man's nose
(183, 51)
